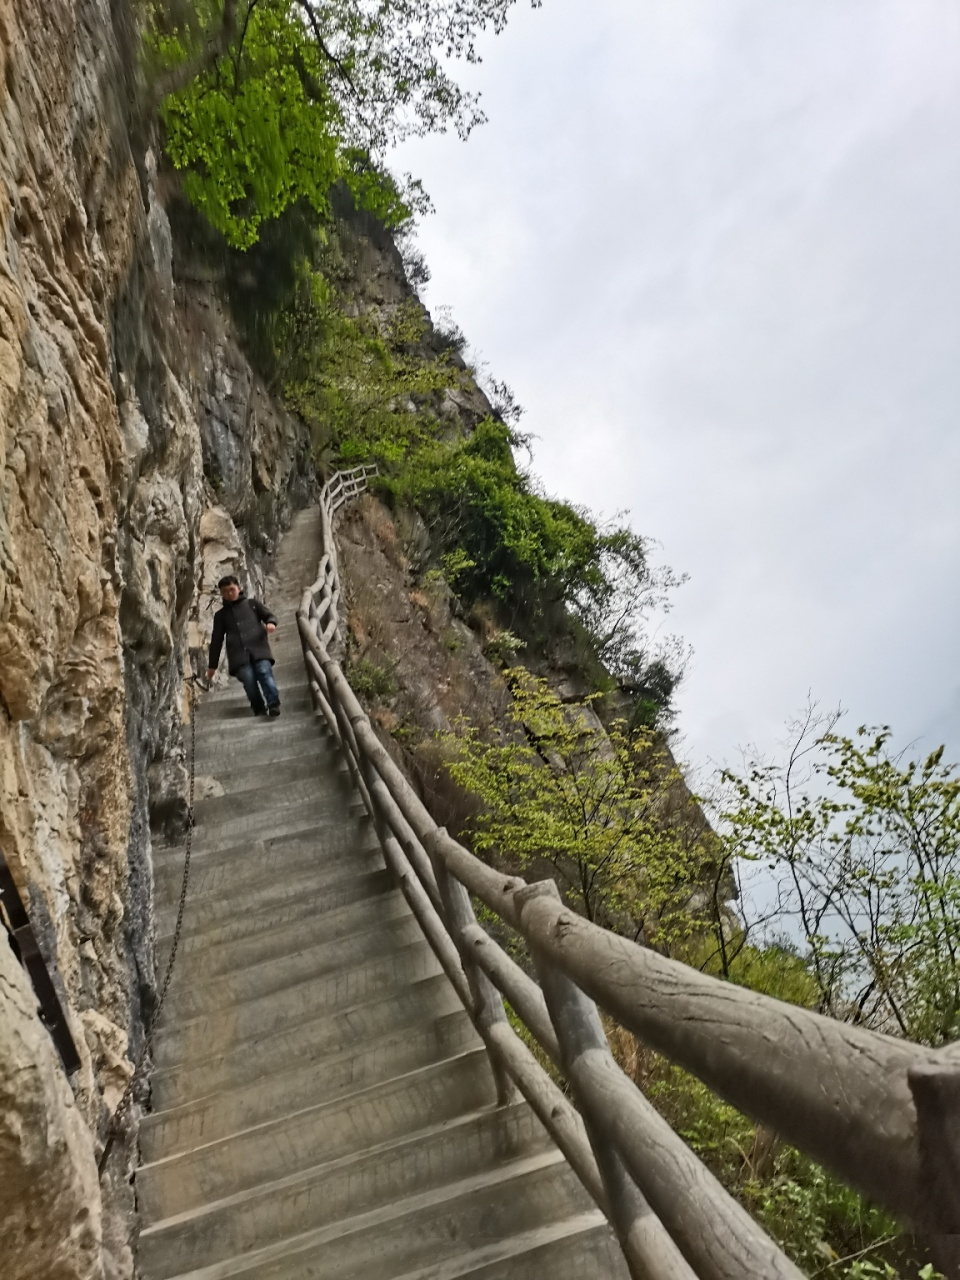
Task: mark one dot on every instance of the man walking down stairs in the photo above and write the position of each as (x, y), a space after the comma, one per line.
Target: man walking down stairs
(322, 1108)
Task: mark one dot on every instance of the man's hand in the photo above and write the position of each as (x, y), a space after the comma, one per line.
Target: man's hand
(211, 672)
(271, 627)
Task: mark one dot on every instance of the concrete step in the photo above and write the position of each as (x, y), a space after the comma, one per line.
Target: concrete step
(233, 717)
(230, 956)
(295, 1085)
(206, 994)
(252, 737)
(272, 1013)
(272, 811)
(431, 1002)
(427, 1228)
(227, 715)
(255, 893)
(577, 1248)
(320, 760)
(291, 681)
(236, 726)
(280, 788)
(339, 1189)
(286, 903)
(287, 663)
(277, 820)
(288, 672)
(325, 846)
(322, 769)
(312, 1136)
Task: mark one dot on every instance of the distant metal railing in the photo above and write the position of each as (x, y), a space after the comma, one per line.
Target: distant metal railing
(883, 1114)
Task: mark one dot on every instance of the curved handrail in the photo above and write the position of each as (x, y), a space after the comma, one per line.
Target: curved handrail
(881, 1113)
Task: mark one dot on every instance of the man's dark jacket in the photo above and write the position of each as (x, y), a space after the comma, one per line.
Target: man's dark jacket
(241, 623)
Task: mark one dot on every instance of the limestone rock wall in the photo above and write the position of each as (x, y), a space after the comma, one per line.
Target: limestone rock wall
(140, 460)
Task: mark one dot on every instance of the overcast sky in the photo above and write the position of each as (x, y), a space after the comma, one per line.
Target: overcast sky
(714, 247)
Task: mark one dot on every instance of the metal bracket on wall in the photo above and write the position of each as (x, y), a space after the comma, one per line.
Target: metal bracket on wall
(24, 943)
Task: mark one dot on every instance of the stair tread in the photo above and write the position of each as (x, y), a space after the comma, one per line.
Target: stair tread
(408, 1079)
(263, 978)
(270, 915)
(372, 1219)
(249, 1195)
(259, 879)
(352, 1013)
(414, 951)
(383, 906)
(325, 1061)
(279, 820)
(514, 1247)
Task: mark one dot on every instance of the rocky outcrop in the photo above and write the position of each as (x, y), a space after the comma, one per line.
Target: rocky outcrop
(141, 459)
(50, 1220)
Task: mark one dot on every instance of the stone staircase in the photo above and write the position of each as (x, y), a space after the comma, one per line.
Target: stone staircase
(322, 1108)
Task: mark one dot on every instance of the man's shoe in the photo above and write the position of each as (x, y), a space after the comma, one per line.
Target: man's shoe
(274, 709)
(259, 712)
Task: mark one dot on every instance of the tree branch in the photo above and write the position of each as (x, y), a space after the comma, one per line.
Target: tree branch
(178, 78)
(327, 52)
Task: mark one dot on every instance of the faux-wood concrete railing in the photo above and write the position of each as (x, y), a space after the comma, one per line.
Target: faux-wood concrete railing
(883, 1114)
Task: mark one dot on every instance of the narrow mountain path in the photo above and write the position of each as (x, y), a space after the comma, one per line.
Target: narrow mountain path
(322, 1108)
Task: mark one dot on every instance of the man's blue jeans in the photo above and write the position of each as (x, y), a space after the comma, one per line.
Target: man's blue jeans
(255, 676)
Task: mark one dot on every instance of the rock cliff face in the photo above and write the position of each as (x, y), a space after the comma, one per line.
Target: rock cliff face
(141, 460)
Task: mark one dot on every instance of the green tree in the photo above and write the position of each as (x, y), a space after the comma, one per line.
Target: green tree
(603, 811)
(367, 383)
(548, 563)
(269, 101)
(863, 846)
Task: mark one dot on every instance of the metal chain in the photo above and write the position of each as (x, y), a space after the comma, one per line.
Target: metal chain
(126, 1101)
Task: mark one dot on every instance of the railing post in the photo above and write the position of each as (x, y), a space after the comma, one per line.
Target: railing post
(354, 757)
(311, 685)
(936, 1093)
(395, 822)
(675, 1189)
(648, 1249)
(487, 1001)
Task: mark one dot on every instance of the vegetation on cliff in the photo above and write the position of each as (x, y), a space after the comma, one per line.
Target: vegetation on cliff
(266, 102)
(548, 565)
(597, 809)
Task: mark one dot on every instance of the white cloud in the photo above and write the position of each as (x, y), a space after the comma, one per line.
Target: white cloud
(713, 247)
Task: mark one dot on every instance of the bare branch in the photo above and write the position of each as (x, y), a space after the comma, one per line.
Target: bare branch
(331, 57)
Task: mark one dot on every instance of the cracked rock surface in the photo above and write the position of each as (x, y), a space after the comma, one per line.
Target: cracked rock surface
(123, 395)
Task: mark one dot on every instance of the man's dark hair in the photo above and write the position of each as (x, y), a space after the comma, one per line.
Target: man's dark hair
(228, 581)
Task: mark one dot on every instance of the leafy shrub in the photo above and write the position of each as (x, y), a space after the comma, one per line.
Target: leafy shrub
(363, 383)
(370, 680)
(589, 805)
(503, 647)
(547, 562)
